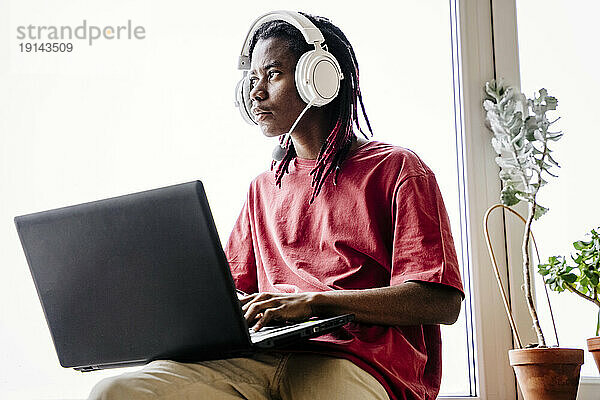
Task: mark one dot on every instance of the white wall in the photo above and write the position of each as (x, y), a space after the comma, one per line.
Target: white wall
(129, 115)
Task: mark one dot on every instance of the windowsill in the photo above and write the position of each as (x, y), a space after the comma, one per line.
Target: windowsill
(589, 387)
(588, 390)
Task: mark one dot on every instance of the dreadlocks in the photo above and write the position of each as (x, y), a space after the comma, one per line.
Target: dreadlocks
(343, 108)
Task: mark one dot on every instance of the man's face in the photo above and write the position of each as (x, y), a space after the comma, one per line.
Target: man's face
(275, 101)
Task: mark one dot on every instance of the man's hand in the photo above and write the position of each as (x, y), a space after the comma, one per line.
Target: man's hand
(261, 308)
(409, 303)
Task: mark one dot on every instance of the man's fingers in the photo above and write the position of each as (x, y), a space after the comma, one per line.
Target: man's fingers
(252, 309)
(261, 308)
(250, 298)
(267, 317)
(245, 299)
(255, 297)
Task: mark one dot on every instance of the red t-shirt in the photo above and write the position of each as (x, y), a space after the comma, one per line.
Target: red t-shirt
(383, 224)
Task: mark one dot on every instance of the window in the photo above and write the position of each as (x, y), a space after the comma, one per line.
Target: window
(564, 63)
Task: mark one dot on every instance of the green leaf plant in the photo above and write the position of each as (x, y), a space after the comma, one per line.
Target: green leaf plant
(583, 279)
(522, 139)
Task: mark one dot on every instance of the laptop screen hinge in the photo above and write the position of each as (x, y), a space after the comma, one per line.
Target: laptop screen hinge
(87, 369)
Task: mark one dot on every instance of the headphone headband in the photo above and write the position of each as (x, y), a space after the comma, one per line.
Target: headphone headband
(311, 33)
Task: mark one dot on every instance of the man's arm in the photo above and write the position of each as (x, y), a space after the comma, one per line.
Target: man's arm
(410, 303)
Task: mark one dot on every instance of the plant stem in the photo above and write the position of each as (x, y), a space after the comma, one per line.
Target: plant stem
(521, 167)
(572, 289)
(527, 276)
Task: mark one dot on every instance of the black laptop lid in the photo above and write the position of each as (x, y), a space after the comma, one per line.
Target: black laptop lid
(133, 278)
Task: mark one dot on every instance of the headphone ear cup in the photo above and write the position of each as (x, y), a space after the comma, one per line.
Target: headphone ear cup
(318, 76)
(243, 100)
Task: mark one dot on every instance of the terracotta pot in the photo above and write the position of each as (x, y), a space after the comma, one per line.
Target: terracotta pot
(594, 348)
(547, 373)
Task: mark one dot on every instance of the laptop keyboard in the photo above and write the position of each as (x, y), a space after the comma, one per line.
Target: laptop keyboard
(267, 330)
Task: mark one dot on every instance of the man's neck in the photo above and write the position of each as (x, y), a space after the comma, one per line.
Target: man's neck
(309, 149)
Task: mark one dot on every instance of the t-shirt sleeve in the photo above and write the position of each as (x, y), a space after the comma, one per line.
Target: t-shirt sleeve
(240, 253)
(423, 248)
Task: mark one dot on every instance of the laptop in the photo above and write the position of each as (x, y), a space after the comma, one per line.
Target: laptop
(135, 278)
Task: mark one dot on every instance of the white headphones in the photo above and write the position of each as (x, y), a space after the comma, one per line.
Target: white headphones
(318, 73)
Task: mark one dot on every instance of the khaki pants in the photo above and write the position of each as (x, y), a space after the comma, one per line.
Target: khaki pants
(282, 376)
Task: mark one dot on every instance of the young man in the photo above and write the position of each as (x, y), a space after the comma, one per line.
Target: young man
(340, 225)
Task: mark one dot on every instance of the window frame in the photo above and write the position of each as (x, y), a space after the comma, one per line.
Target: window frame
(474, 63)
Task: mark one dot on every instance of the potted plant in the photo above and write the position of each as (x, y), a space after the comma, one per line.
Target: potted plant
(583, 278)
(522, 140)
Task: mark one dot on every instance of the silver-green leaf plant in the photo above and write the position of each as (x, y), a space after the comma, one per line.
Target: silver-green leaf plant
(522, 139)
